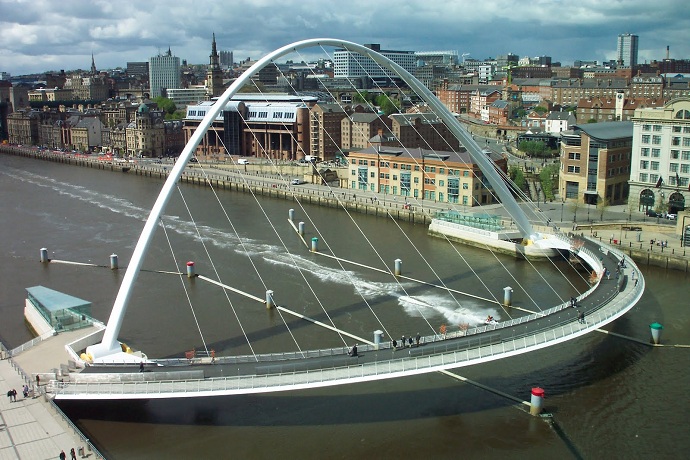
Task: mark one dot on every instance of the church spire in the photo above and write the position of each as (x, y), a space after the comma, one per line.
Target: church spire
(214, 61)
(93, 66)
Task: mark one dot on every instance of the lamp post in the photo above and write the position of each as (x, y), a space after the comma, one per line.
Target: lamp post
(562, 204)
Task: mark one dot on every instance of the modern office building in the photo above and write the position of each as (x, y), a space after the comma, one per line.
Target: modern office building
(660, 172)
(626, 51)
(353, 65)
(595, 163)
(164, 73)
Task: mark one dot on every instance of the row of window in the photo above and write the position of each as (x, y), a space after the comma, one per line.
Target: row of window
(675, 140)
(672, 180)
(409, 167)
(428, 194)
(452, 184)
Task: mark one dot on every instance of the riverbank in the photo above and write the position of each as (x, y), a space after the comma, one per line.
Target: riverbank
(256, 180)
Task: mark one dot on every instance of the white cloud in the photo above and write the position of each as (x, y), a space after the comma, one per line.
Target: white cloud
(37, 35)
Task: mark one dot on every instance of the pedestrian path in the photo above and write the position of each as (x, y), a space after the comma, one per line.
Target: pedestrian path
(32, 428)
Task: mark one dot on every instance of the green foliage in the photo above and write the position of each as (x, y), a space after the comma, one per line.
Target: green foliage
(591, 120)
(362, 97)
(540, 109)
(388, 105)
(165, 104)
(517, 176)
(534, 148)
(548, 184)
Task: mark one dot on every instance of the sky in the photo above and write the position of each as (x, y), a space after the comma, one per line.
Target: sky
(43, 35)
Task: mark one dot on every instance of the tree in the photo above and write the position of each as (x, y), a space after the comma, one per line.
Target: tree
(592, 120)
(540, 109)
(602, 205)
(388, 105)
(169, 107)
(517, 176)
(546, 179)
(361, 97)
(534, 148)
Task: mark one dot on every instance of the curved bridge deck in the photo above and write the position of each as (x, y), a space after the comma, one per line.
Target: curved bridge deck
(602, 304)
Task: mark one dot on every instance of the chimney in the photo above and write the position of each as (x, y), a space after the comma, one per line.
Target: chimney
(667, 52)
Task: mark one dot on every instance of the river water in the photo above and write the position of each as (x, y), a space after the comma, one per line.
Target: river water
(608, 396)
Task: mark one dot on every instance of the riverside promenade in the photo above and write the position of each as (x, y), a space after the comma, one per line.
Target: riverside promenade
(34, 428)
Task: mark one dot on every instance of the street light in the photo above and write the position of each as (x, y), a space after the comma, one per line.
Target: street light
(562, 204)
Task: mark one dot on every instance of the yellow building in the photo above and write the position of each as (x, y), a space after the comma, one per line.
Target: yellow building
(444, 177)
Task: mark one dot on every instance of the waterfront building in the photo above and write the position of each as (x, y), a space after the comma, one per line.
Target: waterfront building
(164, 73)
(595, 163)
(254, 125)
(440, 176)
(626, 51)
(145, 136)
(325, 129)
(660, 172)
(22, 126)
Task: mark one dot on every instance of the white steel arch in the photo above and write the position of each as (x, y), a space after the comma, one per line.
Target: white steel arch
(110, 345)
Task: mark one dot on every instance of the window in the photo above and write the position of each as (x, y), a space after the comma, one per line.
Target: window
(416, 180)
(646, 127)
(653, 178)
(686, 129)
(574, 169)
(673, 167)
(656, 140)
(656, 153)
(465, 186)
(677, 129)
(644, 151)
(573, 156)
(372, 174)
(645, 138)
(644, 164)
(441, 183)
(675, 140)
(685, 169)
(643, 177)
(657, 128)
(686, 142)
(675, 154)
(685, 155)
(655, 165)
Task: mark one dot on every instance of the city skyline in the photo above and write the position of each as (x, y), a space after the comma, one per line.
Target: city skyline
(37, 37)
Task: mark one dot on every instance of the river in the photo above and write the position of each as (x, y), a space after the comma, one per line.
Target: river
(608, 396)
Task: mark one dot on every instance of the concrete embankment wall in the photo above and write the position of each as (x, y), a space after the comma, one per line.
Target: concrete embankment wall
(219, 180)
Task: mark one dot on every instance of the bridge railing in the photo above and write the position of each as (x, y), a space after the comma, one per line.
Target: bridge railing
(408, 363)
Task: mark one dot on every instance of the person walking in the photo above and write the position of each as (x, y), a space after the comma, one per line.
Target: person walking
(417, 338)
(73, 454)
(63, 456)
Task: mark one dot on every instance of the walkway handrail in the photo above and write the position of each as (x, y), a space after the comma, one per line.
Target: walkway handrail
(612, 309)
(31, 343)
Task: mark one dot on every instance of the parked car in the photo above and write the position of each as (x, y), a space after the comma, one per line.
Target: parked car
(297, 182)
(652, 213)
(671, 216)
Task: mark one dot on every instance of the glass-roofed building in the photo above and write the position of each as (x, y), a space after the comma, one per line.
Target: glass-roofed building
(60, 311)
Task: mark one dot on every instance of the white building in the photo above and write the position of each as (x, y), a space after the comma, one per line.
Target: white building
(558, 121)
(164, 73)
(660, 170)
(353, 65)
(187, 96)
